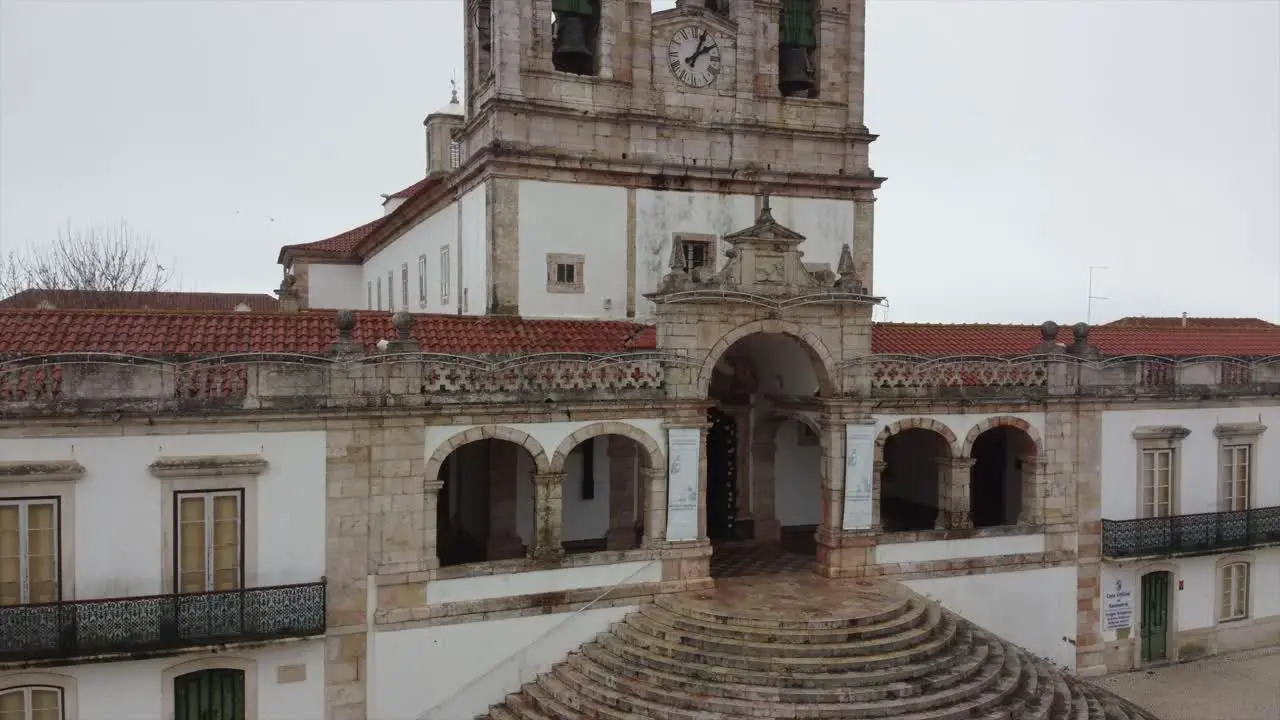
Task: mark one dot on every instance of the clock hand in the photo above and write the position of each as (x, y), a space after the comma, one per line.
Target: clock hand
(699, 53)
(696, 51)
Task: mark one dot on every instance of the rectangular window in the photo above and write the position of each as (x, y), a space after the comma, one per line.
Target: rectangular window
(455, 154)
(565, 273)
(210, 540)
(1157, 482)
(404, 286)
(31, 702)
(1235, 477)
(29, 551)
(1234, 603)
(444, 275)
(369, 295)
(422, 281)
(695, 250)
(379, 295)
(391, 290)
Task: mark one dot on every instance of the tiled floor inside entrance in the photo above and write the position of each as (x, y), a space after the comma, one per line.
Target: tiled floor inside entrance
(743, 559)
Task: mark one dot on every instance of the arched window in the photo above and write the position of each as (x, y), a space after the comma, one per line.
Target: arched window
(31, 702)
(1234, 599)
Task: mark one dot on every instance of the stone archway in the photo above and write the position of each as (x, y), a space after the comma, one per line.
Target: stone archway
(482, 483)
(1003, 481)
(607, 471)
(821, 361)
(917, 486)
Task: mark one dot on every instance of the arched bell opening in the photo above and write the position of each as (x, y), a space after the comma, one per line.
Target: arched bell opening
(914, 459)
(485, 508)
(604, 494)
(575, 36)
(1004, 460)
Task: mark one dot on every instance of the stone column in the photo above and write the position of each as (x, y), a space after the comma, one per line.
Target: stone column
(548, 517)
(431, 525)
(655, 505)
(504, 541)
(877, 527)
(953, 494)
(764, 502)
(1029, 476)
(623, 477)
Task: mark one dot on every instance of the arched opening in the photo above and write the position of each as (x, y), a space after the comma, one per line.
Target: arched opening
(764, 478)
(213, 694)
(1002, 457)
(913, 462)
(604, 492)
(485, 506)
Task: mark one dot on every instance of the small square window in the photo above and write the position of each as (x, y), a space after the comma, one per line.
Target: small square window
(695, 250)
(564, 273)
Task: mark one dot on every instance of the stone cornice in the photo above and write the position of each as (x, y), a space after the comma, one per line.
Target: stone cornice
(41, 471)
(208, 466)
(1245, 429)
(1160, 432)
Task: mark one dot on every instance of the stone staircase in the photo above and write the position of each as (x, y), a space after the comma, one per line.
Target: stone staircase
(806, 648)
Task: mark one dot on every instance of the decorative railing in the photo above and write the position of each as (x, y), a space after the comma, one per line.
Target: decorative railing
(1202, 532)
(153, 623)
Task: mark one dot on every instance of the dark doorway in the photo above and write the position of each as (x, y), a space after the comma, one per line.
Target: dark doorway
(1154, 627)
(722, 475)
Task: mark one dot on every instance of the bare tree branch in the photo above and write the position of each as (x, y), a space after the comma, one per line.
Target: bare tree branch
(97, 258)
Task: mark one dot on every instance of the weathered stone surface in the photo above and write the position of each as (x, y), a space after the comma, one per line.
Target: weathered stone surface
(802, 647)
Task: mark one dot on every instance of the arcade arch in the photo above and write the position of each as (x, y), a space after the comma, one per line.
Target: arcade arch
(607, 469)
(1002, 479)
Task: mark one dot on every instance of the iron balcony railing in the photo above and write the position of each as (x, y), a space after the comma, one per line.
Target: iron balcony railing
(78, 628)
(1203, 532)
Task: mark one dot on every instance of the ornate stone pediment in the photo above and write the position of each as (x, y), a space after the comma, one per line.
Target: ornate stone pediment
(764, 261)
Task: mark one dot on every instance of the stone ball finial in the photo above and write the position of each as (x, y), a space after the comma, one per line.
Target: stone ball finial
(346, 323)
(1049, 332)
(403, 323)
(1081, 332)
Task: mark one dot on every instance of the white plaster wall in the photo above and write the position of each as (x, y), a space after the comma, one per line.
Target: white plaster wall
(1035, 609)
(135, 689)
(931, 550)
(961, 424)
(425, 238)
(472, 252)
(797, 488)
(337, 287)
(1197, 490)
(538, 582)
(457, 671)
(587, 220)
(1196, 602)
(118, 544)
(589, 519)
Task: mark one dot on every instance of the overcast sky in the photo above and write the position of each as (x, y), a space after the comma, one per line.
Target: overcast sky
(1024, 141)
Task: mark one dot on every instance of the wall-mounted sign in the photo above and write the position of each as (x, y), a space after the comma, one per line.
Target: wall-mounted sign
(1117, 606)
(859, 466)
(684, 450)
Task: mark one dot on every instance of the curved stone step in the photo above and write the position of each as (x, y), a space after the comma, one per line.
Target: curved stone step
(913, 612)
(583, 676)
(831, 619)
(661, 646)
(721, 643)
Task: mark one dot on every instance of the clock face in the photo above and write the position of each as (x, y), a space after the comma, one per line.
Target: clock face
(694, 56)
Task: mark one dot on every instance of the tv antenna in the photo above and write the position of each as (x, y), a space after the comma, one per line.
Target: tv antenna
(1088, 314)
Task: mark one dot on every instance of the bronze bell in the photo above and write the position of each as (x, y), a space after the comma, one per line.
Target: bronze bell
(571, 52)
(794, 79)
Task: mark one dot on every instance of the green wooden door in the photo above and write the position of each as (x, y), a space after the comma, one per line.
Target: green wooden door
(1155, 616)
(209, 695)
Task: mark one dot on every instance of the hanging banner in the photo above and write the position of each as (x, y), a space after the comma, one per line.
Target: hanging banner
(859, 466)
(684, 450)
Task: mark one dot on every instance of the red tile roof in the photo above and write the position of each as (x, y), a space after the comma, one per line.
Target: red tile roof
(1194, 322)
(38, 332)
(124, 300)
(1010, 340)
(35, 332)
(424, 182)
(340, 245)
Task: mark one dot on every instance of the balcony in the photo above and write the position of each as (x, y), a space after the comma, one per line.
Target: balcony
(156, 623)
(1189, 534)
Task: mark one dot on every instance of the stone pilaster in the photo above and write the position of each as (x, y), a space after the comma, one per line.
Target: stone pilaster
(1030, 513)
(431, 528)
(502, 197)
(504, 540)
(623, 477)
(347, 510)
(398, 513)
(764, 502)
(953, 494)
(548, 517)
(655, 505)
(877, 527)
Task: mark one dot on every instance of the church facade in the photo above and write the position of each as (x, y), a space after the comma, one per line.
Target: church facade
(616, 344)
